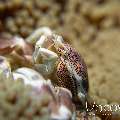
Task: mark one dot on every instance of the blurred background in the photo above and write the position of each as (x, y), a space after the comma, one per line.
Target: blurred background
(91, 26)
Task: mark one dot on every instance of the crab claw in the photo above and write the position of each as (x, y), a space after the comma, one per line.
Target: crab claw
(66, 108)
(29, 76)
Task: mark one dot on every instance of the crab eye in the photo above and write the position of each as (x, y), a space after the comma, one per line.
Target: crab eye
(85, 85)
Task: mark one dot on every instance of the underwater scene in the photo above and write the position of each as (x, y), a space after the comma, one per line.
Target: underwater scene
(59, 59)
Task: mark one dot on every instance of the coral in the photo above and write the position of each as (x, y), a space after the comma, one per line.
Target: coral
(16, 102)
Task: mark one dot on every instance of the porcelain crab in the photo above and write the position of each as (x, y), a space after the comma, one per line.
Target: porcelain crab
(55, 58)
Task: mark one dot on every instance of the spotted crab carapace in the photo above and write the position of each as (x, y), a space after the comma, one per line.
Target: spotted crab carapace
(59, 60)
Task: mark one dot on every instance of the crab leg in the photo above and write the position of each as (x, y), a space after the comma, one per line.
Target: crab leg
(44, 58)
(34, 37)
